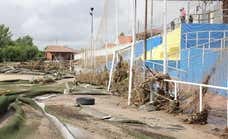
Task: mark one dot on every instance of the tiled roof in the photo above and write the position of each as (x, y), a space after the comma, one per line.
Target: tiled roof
(60, 48)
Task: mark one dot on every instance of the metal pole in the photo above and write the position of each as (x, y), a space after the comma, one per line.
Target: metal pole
(165, 37)
(94, 57)
(203, 55)
(145, 31)
(197, 39)
(111, 70)
(227, 105)
(132, 51)
(106, 56)
(175, 91)
(117, 21)
(188, 10)
(209, 40)
(201, 99)
(91, 50)
(189, 53)
(152, 15)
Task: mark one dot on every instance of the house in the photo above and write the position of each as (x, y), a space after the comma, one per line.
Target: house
(59, 52)
(124, 39)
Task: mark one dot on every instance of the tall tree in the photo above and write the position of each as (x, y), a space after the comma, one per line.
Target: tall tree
(5, 36)
(26, 40)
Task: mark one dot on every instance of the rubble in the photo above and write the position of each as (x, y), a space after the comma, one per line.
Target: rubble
(94, 78)
(198, 118)
(43, 80)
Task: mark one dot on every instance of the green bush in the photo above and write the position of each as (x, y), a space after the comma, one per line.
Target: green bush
(19, 53)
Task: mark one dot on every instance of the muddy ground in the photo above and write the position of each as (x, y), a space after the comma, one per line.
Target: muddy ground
(124, 122)
(157, 122)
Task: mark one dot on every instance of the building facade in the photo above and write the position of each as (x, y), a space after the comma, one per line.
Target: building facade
(59, 53)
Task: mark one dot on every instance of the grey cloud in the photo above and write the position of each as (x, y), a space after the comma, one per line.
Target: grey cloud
(67, 21)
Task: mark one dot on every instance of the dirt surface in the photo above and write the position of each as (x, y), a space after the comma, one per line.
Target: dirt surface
(39, 125)
(4, 77)
(87, 119)
(158, 121)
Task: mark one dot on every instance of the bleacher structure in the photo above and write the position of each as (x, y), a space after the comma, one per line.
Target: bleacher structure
(197, 52)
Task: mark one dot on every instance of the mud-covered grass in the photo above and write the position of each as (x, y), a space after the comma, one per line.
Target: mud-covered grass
(14, 124)
(65, 112)
(140, 134)
(72, 115)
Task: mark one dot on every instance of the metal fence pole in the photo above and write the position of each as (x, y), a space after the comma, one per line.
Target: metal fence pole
(227, 106)
(186, 40)
(175, 91)
(203, 54)
(209, 40)
(189, 53)
(111, 70)
(201, 99)
(132, 50)
(197, 39)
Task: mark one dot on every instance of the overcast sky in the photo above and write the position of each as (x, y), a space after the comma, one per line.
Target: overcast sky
(68, 21)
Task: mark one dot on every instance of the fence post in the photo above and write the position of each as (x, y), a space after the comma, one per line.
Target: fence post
(111, 70)
(175, 91)
(186, 40)
(189, 53)
(223, 41)
(227, 105)
(209, 41)
(203, 54)
(201, 99)
(197, 39)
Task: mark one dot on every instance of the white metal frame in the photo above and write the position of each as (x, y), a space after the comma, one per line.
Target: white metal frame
(200, 93)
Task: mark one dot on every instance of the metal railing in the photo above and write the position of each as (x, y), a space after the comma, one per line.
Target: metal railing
(201, 86)
(209, 39)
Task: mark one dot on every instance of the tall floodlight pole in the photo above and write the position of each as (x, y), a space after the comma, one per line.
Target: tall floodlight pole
(92, 45)
(132, 50)
(165, 37)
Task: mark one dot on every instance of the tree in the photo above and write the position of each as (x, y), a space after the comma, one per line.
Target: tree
(5, 36)
(26, 40)
(22, 49)
(122, 34)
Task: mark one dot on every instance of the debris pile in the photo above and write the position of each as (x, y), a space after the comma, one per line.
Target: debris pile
(35, 67)
(174, 107)
(225, 134)
(120, 79)
(198, 118)
(14, 70)
(158, 87)
(43, 80)
(94, 78)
